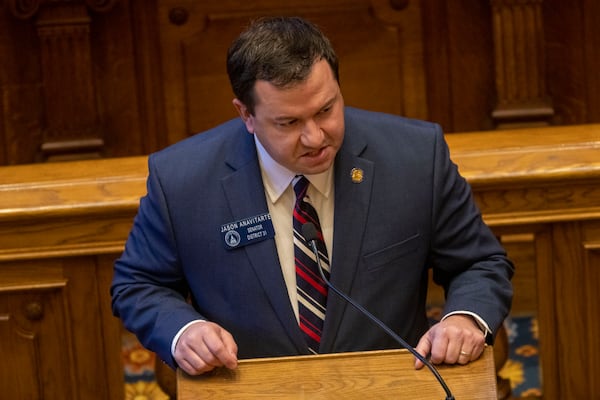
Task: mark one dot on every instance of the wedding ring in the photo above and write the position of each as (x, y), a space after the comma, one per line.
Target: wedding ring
(462, 353)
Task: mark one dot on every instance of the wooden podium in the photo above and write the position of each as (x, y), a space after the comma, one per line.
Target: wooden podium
(362, 375)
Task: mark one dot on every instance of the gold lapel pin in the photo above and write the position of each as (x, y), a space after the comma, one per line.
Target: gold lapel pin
(357, 175)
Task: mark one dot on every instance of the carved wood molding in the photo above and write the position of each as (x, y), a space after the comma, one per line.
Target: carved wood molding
(390, 11)
(25, 9)
(101, 5)
(521, 87)
(72, 124)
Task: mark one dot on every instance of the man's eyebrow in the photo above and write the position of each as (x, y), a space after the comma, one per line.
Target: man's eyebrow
(332, 100)
(284, 118)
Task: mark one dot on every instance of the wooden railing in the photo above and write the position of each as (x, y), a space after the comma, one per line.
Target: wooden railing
(63, 224)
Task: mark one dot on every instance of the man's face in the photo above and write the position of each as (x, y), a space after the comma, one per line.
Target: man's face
(301, 127)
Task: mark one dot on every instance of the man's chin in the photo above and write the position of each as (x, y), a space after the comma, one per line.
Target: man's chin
(315, 168)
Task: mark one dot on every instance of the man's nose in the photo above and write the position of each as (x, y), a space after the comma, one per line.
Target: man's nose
(312, 134)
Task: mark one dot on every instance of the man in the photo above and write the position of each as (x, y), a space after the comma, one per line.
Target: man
(208, 274)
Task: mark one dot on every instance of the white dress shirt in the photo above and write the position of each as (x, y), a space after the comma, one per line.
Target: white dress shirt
(281, 199)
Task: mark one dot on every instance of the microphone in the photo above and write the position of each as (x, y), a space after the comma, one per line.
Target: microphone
(309, 231)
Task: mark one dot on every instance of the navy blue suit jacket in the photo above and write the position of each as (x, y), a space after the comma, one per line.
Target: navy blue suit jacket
(411, 212)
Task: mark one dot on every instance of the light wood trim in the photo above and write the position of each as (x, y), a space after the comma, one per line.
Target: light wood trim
(72, 188)
(362, 375)
(519, 157)
(490, 159)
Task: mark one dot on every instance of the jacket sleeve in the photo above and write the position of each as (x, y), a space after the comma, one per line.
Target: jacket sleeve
(467, 259)
(148, 291)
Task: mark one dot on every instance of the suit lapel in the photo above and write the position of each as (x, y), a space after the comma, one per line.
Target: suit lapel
(246, 197)
(352, 198)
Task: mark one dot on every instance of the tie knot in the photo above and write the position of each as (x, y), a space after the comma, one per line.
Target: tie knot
(300, 187)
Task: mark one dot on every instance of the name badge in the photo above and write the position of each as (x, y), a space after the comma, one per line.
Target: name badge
(247, 231)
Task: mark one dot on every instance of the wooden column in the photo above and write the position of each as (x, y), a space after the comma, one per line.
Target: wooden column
(71, 125)
(521, 89)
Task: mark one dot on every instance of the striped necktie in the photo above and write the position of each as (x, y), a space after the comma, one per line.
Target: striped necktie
(312, 290)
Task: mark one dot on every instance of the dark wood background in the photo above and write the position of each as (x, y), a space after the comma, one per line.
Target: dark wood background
(110, 78)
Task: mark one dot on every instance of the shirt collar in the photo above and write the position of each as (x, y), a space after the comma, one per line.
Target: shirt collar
(277, 178)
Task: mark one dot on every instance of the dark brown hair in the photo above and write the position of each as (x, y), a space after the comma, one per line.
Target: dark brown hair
(279, 50)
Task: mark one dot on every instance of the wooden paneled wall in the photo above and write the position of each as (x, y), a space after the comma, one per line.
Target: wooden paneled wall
(108, 78)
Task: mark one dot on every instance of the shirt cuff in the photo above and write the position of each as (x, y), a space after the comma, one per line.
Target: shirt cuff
(176, 338)
(480, 322)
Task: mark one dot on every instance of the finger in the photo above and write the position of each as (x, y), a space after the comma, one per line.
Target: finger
(472, 347)
(194, 365)
(468, 353)
(207, 354)
(453, 350)
(423, 348)
(224, 349)
(217, 348)
(464, 356)
(203, 358)
(185, 366)
(478, 350)
(439, 347)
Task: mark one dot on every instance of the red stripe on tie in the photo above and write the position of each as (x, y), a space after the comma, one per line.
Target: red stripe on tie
(316, 337)
(316, 284)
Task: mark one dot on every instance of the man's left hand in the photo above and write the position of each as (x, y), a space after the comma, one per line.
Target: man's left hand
(456, 339)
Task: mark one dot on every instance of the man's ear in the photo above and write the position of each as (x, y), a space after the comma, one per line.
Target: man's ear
(244, 114)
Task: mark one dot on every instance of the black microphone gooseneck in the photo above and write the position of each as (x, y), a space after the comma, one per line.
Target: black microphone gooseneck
(309, 231)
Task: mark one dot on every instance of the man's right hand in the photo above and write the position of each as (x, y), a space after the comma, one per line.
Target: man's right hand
(204, 346)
